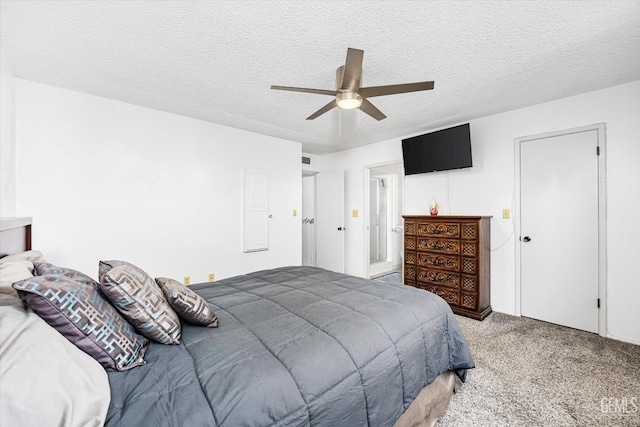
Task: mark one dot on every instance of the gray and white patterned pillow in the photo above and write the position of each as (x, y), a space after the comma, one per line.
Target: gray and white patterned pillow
(140, 301)
(86, 319)
(191, 307)
(105, 266)
(45, 269)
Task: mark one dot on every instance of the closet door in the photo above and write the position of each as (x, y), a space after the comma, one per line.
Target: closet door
(559, 227)
(256, 210)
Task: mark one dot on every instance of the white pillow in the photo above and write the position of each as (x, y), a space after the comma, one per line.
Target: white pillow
(44, 379)
(16, 267)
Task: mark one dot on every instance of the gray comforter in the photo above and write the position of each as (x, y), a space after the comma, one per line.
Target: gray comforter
(296, 346)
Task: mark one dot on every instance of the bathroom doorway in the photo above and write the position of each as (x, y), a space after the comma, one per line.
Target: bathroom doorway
(378, 219)
(384, 229)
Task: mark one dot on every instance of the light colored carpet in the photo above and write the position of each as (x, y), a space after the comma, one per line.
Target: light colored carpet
(532, 373)
(390, 278)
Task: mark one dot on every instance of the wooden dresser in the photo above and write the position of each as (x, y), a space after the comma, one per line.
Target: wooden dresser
(450, 256)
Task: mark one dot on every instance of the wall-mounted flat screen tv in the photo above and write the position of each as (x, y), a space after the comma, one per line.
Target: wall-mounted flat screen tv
(442, 150)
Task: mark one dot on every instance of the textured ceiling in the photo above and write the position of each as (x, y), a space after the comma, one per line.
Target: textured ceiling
(216, 60)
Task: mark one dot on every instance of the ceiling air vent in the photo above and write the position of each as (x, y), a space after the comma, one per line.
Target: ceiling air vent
(306, 160)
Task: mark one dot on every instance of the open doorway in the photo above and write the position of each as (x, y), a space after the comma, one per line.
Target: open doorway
(378, 219)
(383, 236)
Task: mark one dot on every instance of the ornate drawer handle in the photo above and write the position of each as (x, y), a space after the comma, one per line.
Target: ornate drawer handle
(439, 278)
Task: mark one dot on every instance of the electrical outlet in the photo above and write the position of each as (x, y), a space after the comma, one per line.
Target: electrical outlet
(506, 213)
(212, 277)
(187, 280)
(295, 212)
(354, 213)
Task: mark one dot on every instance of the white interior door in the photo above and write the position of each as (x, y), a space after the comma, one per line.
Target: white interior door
(330, 220)
(308, 220)
(256, 210)
(559, 229)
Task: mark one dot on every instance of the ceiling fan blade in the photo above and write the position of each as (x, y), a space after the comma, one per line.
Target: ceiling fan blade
(372, 91)
(371, 110)
(323, 110)
(352, 70)
(306, 90)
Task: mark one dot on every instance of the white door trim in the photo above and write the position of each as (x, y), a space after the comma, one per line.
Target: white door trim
(366, 241)
(600, 128)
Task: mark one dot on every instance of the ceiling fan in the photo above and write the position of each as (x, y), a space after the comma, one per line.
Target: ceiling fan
(350, 95)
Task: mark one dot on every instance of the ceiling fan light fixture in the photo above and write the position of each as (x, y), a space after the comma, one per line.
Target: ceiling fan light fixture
(350, 95)
(348, 100)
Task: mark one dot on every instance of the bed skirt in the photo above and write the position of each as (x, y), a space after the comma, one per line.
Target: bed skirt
(430, 404)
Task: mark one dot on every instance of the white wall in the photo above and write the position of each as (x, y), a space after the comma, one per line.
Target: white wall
(488, 187)
(7, 139)
(109, 180)
(314, 166)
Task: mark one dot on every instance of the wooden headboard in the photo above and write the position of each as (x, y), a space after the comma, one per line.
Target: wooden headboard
(15, 235)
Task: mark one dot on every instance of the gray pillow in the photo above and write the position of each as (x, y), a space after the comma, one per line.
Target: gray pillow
(46, 269)
(140, 301)
(191, 307)
(86, 319)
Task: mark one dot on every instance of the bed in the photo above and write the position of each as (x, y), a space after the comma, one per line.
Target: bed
(298, 346)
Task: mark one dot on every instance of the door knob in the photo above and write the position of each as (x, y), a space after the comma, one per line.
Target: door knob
(526, 239)
(339, 228)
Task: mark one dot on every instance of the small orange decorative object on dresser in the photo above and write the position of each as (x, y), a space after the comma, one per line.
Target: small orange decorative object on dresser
(451, 257)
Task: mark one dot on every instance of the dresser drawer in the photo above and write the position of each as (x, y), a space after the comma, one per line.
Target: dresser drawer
(469, 301)
(438, 229)
(443, 278)
(469, 265)
(410, 243)
(451, 296)
(409, 274)
(441, 261)
(469, 248)
(409, 227)
(469, 283)
(469, 231)
(443, 246)
(409, 257)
